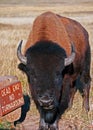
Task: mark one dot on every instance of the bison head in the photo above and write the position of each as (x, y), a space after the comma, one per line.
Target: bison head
(43, 64)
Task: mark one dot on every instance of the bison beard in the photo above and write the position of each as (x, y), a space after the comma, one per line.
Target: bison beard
(50, 116)
(49, 119)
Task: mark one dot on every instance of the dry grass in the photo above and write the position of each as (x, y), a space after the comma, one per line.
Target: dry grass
(10, 35)
(17, 11)
(9, 38)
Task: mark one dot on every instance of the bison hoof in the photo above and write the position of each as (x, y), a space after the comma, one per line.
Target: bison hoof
(86, 105)
(43, 128)
(53, 128)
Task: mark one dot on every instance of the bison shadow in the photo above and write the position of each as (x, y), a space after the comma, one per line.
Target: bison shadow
(24, 109)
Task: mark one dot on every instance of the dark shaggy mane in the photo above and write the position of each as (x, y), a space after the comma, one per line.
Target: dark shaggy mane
(46, 47)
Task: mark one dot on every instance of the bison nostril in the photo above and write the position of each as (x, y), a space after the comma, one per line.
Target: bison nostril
(45, 102)
(39, 96)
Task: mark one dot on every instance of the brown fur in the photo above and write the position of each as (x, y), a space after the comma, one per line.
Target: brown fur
(64, 31)
(77, 34)
(48, 26)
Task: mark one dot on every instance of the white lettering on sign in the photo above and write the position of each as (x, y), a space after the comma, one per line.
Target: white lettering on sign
(11, 97)
(16, 87)
(10, 89)
(13, 105)
(5, 91)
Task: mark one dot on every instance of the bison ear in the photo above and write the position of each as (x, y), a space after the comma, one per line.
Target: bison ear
(22, 67)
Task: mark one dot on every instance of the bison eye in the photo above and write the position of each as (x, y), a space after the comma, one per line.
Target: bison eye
(58, 79)
(35, 79)
(32, 77)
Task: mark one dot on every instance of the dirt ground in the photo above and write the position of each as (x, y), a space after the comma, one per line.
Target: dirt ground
(32, 122)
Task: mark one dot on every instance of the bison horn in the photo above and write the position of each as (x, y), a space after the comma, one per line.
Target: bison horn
(21, 57)
(71, 58)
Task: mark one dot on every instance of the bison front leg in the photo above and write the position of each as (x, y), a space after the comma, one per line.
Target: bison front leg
(86, 98)
(72, 94)
(43, 125)
(54, 126)
(85, 80)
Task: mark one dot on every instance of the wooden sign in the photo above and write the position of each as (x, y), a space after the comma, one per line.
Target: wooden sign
(11, 96)
(14, 115)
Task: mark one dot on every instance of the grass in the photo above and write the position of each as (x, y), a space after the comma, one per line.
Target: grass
(21, 11)
(10, 35)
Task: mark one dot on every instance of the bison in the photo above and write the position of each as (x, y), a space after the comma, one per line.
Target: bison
(56, 61)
